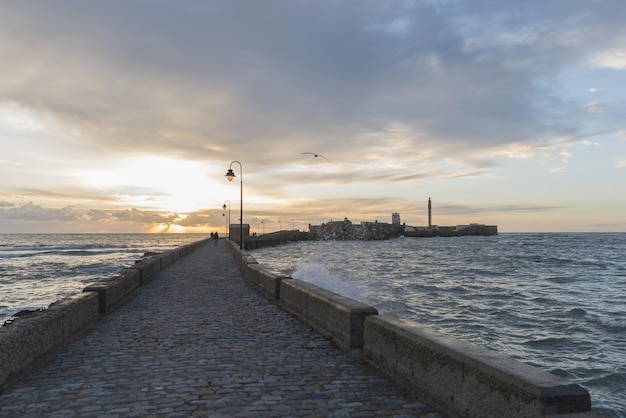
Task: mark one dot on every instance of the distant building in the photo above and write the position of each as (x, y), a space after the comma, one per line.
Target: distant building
(346, 230)
(233, 232)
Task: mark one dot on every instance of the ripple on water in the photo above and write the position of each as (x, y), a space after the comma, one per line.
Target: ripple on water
(551, 300)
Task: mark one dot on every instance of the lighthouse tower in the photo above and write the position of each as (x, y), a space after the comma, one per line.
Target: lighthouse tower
(430, 219)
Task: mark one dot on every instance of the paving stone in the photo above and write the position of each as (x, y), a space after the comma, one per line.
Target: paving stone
(196, 341)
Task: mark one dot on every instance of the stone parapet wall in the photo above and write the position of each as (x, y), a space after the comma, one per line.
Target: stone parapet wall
(331, 314)
(114, 290)
(463, 378)
(275, 238)
(263, 280)
(32, 335)
(459, 378)
(35, 334)
(147, 269)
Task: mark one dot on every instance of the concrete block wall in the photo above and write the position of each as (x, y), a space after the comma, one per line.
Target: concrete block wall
(35, 334)
(114, 290)
(168, 257)
(259, 278)
(147, 269)
(331, 314)
(275, 238)
(459, 378)
(241, 256)
(267, 282)
(464, 379)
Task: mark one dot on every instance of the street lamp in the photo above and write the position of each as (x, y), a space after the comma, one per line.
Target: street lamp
(228, 220)
(230, 175)
(263, 224)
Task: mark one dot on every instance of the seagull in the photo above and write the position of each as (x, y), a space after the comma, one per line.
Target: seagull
(315, 155)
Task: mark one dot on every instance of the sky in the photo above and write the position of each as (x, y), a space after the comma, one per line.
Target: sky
(124, 115)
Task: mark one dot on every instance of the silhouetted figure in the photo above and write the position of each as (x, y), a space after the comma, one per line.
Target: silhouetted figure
(215, 237)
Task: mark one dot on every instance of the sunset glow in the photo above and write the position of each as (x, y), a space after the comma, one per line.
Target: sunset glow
(124, 116)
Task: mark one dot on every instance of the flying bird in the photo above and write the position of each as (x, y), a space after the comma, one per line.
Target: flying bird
(315, 155)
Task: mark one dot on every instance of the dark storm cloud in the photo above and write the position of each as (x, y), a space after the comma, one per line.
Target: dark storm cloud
(213, 79)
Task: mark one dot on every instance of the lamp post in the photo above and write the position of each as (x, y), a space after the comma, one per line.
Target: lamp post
(228, 220)
(230, 175)
(263, 224)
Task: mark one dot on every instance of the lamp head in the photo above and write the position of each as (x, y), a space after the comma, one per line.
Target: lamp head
(230, 174)
(224, 207)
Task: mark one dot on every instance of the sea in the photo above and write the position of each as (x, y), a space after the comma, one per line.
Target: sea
(39, 269)
(554, 301)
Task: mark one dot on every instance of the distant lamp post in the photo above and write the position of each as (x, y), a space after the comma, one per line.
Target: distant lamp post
(263, 224)
(230, 175)
(224, 214)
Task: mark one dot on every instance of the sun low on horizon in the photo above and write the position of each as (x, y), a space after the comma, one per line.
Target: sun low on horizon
(156, 182)
(116, 116)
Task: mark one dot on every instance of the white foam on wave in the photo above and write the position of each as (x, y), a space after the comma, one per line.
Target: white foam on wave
(317, 272)
(611, 323)
(510, 241)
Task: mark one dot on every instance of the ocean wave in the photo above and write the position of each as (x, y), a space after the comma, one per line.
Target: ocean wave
(65, 251)
(549, 342)
(614, 377)
(47, 247)
(612, 324)
(550, 302)
(319, 274)
(510, 242)
(577, 312)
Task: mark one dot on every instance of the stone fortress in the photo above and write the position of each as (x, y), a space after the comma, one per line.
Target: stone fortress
(346, 230)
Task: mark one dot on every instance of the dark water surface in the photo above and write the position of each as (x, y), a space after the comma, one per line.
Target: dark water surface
(555, 301)
(38, 269)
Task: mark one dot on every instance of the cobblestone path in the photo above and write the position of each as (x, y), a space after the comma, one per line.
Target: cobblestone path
(197, 341)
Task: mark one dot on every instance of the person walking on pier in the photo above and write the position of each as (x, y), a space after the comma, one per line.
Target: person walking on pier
(215, 237)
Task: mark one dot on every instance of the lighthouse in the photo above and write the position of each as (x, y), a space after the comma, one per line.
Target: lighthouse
(430, 219)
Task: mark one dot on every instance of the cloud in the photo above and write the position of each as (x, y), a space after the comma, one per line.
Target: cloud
(210, 80)
(621, 162)
(471, 210)
(394, 94)
(614, 59)
(30, 212)
(594, 107)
